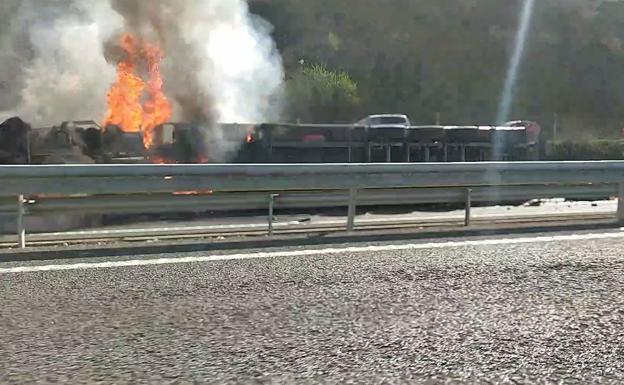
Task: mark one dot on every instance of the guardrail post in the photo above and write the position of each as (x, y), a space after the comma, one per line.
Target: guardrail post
(468, 207)
(21, 230)
(388, 153)
(271, 210)
(352, 209)
(350, 139)
(620, 209)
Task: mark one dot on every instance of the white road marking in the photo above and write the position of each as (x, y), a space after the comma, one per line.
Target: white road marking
(312, 252)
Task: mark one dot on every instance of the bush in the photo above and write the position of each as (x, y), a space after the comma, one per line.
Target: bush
(586, 150)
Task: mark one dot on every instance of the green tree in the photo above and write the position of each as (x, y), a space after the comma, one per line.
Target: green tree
(317, 94)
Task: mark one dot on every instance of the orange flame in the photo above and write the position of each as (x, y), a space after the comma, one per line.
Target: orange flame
(157, 109)
(124, 97)
(126, 108)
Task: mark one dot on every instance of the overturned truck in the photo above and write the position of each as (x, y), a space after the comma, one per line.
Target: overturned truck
(87, 142)
(322, 143)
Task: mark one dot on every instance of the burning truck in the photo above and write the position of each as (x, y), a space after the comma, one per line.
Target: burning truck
(137, 128)
(88, 142)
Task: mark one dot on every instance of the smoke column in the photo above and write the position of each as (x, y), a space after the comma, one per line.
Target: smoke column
(52, 66)
(220, 63)
(514, 64)
(58, 58)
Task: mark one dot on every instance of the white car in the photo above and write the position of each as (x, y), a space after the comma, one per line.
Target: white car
(391, 120)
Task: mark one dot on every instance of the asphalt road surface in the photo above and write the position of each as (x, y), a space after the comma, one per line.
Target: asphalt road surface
(491, 311)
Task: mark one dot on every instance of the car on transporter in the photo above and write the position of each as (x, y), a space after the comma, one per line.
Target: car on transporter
(385, 120)
(386, 128)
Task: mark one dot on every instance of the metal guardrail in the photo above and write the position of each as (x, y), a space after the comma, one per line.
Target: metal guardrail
(165, 203)
(153, 188)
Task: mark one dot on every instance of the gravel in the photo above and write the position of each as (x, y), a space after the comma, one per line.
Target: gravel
(502, 314)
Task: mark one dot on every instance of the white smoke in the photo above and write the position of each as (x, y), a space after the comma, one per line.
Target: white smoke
(66, 80)
(57, 71)
(245, 69)
(220, 65)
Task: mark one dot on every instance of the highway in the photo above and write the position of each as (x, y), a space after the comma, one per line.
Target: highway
(538, 309)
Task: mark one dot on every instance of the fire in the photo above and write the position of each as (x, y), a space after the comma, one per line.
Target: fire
(157, 109)
(124, 97)
(136, 105)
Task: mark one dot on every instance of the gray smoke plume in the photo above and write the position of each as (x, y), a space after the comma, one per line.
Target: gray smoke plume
(52, 67)
(220, 63)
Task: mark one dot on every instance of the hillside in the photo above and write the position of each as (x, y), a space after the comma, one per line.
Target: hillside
(424, 57)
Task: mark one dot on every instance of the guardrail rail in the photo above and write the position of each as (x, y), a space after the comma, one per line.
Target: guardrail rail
(176, 188)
